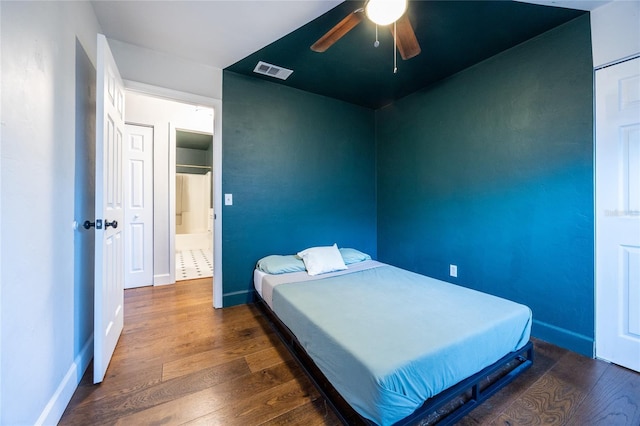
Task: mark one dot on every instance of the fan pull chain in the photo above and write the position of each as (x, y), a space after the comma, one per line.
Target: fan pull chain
(395, 49)
(376, 43)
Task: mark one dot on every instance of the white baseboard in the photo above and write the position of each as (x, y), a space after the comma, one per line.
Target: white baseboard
(54, 409)
(163, 279)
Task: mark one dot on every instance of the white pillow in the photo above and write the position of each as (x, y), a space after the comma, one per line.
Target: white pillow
(320, 260)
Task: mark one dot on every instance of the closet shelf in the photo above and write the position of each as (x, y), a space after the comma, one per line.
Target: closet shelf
(193, 166)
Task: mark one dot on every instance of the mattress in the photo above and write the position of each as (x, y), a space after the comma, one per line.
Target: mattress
(265, 283)
(389, 339)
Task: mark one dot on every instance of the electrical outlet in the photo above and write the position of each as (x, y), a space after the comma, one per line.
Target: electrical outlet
(453, 270)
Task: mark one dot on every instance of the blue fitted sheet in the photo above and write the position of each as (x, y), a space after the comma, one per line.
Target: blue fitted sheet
(389, 339)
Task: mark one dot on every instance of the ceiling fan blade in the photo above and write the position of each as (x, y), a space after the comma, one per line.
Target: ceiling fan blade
(406, 38)
(337, 32)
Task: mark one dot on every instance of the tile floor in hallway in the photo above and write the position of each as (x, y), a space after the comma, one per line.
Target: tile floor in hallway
(191, 264)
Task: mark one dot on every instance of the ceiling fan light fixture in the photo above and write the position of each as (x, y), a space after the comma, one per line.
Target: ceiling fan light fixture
(385, 12)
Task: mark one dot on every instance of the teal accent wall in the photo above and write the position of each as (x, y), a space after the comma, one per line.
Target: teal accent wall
(492, 170)
(301, 168)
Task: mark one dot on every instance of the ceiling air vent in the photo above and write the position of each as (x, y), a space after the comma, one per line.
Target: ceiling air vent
(272, 70)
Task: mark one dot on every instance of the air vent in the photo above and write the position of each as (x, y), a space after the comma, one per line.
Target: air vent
(272, 70)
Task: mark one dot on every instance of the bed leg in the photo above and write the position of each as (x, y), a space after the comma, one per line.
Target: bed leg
(475, 392)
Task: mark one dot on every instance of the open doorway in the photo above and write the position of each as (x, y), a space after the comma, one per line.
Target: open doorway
(194, 205)
(172, 116)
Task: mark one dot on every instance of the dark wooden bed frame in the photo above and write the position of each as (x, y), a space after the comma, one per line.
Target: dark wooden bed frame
(446, 408)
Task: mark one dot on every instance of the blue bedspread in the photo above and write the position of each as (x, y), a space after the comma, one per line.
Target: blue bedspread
(389, 339)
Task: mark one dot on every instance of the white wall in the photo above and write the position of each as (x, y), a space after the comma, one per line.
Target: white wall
(151, 72)
(159, 69)
(161, 114)
(42, 355)
(1, 221)
(41, 363)
(615, 32)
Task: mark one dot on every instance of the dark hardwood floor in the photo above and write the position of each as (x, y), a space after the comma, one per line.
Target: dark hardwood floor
(179, 361)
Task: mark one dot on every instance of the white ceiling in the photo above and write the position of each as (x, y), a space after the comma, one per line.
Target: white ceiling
(570, 4)
(219, 33)
(216, 33)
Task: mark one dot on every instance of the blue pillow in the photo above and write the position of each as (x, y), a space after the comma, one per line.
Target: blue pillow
(277, 264)
(350, 256)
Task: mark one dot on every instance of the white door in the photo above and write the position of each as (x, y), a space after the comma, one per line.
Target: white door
(138, 248)
(618, 214)
(109, 248)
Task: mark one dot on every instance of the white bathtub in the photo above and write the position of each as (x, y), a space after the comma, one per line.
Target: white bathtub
(194, 241)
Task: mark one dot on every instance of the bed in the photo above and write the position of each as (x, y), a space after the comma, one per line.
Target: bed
(388, 346)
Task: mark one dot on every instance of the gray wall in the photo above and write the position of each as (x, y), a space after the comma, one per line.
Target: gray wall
(46, 310)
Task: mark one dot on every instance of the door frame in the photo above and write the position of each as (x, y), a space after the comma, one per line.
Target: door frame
(174, 127)
(216, 104)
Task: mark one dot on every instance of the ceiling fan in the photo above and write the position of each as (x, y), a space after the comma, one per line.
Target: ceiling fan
(381, 12)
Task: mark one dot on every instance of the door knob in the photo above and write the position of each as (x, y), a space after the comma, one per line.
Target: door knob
(88, 224)
(113, 223)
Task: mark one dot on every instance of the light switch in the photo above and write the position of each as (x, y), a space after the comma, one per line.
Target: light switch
(228, 199)
(453, 270)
